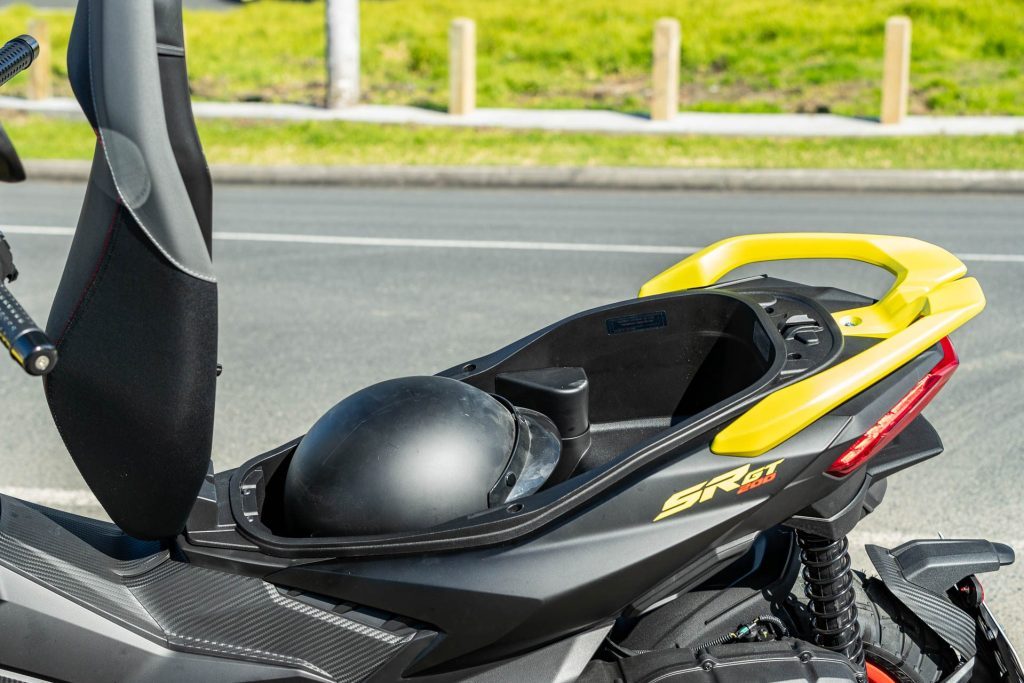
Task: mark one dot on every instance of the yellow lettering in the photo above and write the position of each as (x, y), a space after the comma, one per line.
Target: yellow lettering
(681, 500)
(727, 482)
(705, 491)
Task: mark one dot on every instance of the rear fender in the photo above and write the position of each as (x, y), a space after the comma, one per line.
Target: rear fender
(935, 580)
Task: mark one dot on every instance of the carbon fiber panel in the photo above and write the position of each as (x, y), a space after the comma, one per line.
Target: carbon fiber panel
(12, 677)
(182, 606)
(79, 558)
(250, 618)
(950, 622)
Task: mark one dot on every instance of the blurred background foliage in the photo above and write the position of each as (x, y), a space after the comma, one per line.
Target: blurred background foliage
(738, 55)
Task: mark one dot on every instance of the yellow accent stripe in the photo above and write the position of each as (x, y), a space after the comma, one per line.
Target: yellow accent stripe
(926, 303)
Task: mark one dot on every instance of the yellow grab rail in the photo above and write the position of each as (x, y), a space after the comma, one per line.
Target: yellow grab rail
(929, 299)
(919, 267)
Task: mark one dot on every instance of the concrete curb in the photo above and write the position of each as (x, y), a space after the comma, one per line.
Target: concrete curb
(578, 120)
(791, 180)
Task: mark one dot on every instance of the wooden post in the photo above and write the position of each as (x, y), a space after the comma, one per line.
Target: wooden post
(40, 84)
(342, 53)
(667, 44)
(896, 77)
(462, 67)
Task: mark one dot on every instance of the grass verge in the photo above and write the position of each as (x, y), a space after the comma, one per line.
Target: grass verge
(243, 142)
(738, 55)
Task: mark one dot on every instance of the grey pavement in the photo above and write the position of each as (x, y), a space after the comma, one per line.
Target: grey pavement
(389, 282)
(582, 120)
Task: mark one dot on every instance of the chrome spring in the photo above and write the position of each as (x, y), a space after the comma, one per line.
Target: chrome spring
(828, 585)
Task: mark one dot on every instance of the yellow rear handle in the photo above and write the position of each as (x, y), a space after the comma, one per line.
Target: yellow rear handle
(929, 299)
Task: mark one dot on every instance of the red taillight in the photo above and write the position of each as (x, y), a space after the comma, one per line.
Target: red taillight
(901, 414)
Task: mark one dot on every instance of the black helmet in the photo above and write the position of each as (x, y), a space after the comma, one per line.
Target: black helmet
(411, 453)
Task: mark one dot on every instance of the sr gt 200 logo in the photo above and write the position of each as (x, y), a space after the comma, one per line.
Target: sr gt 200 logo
(740, 480)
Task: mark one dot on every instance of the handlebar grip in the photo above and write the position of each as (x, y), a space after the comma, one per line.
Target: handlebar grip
(16, 56)
(28, 344)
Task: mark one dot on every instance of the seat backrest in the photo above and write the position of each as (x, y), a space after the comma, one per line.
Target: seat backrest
(135, 315)
(181, 127)
(11, 170)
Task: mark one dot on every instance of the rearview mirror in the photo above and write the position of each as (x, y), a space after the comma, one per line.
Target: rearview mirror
(11, 170)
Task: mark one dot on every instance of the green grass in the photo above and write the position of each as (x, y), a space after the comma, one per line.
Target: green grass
(738, 55)
(348, 143)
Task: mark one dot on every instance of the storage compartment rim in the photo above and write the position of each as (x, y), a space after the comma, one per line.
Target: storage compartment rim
(464, 533)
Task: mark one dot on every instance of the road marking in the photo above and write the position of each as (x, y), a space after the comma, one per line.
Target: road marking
(450, 243)
(37, 230)
(424, 243)
(993, 258)
(416, 243)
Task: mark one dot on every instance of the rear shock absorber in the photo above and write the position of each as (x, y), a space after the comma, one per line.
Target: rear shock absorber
(828, 585)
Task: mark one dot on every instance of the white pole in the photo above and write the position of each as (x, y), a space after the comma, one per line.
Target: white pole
(40, 85)
(665, 72)
(462, 67)
(342, 53)
(896, 73)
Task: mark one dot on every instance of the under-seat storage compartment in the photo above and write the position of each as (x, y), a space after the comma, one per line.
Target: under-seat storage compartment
(639, 367)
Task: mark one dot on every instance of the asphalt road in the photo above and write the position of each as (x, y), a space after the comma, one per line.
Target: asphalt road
(316, 302)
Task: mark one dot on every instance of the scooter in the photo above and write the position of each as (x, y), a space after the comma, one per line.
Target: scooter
(658, 489)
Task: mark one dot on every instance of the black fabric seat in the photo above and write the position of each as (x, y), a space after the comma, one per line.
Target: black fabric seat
(135, 315)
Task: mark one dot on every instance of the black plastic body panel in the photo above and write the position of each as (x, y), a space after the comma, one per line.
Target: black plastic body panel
(757, 582)
(590, 567)
(792, 661)
(939, 564)
(844, 501)
(676, 380)
(953, 624)
(588, 550)
(923, 573)
(916, 443)
(144, 588)
(596, 548)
